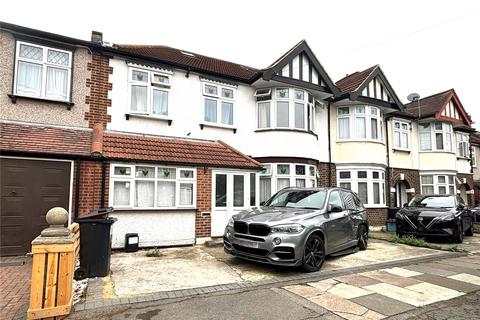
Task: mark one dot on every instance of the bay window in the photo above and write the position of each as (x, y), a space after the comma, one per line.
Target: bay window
(401, 135)
(282, 175)
(437, 184)
(218, 103)
(463, 145)
(368, 183)
(148, 92)
(435, 136)
(359, 123)
(474, 157)
(152, 187)
(42, 72)
(288, 109)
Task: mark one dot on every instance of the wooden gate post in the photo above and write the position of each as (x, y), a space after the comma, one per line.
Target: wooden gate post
(53, 265)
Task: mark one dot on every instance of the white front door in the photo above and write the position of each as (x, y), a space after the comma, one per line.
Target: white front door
(230, 195)
(401, 194)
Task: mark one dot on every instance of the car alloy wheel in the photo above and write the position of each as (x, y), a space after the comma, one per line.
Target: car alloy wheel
(362, 237)
(459, 232)
(314, 254)
(469, 232)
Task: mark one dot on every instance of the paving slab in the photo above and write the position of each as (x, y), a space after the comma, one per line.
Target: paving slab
(369, 315)
(390, 278)
(323, 285)
(357, 280)
(402, 272)
(347, 291)
(457, 269)
(429, 268)
(336, 304)
(401, 294)
(382, 304)
(448, 283)
(461, 264)
(434, 293)
(465, 277)
(304, 291)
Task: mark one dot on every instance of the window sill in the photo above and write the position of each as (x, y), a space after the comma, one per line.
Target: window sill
(146, 116)
(437, 151)
(401, 150)
(360, 140)
(219, 126)
(14, 97)
(129, 209)
(463, 158)
(287, 130)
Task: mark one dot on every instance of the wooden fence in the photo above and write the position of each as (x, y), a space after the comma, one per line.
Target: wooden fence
(53, 266)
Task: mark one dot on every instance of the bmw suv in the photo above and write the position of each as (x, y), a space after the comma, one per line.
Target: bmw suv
(299, 227)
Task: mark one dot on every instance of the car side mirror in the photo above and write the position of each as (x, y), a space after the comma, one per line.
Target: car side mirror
(333, 208)
(460, 207)
(262, 203)
(405, 205)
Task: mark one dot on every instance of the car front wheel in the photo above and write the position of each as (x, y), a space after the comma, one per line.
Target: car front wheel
(459, 232)
(362, 236)
(469, 232)
(313, 254)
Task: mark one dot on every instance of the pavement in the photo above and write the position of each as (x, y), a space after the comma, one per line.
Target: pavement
(15, 277)
(135, 274)
(429, 288)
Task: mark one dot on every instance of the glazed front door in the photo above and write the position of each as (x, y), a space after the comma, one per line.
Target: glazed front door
(230, 195)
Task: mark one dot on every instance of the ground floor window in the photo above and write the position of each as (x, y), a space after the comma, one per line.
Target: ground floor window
(152, 186)
(437, 184)
(368, 183)
(276, 176)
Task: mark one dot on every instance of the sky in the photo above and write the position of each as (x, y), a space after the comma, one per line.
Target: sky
(422, 46)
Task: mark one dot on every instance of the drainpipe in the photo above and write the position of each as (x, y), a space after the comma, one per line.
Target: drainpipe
(102, 193)
(388, 175)
(329, 147)
(77, 189)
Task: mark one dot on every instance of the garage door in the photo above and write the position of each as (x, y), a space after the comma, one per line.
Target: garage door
(29, 188)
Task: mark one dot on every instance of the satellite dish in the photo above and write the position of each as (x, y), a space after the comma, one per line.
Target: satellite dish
(413, 97)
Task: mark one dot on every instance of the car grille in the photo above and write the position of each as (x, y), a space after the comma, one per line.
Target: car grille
(258, 229)
(253, 229)
(255, 251)
(243, 236)
(240, 227)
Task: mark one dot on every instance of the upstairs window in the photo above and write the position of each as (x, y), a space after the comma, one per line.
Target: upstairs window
(219, 103)
(42, 72)
(474, 157)
(359, 123)
(401, 135)
(462, 145)
(149, 92)
(435, 136)
(288, 109)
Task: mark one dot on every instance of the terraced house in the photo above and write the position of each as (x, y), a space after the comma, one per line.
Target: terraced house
(177, 142)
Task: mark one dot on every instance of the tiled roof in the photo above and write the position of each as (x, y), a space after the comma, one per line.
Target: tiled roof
(429, 106)
(353, 81)
(43, 139)
(174, 150)
(191, 60)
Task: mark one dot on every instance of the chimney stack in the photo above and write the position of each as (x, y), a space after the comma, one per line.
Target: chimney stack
(97, 37)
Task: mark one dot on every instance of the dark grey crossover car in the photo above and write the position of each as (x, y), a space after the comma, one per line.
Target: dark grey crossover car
(299, 227)
(435, 215)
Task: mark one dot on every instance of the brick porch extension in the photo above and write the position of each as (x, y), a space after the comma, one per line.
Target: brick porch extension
(15, 276)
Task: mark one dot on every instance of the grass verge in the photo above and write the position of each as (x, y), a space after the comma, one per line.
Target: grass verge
(412, 241)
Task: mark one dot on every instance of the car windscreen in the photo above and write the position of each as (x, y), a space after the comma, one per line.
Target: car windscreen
(433, 202)
(305, 199)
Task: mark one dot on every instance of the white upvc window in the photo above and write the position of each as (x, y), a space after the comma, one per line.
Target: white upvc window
(401, 135)
(359, 123)
(282, 175)
(219, 101)
(437, 184)
(138, 186)
(463, 145)
(42, 72)
(288, 108)
(368, 183)
(149, 91)
(435, 136)
(474, 157)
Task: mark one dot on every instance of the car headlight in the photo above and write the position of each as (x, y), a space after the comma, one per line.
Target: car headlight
(288, 228)
(230, 222)
(446, 218)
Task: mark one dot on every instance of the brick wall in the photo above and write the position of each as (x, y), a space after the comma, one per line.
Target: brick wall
(91, 186)
(323, 173)
(99, 87)
(377, 216)
(411, 180)
(204, 203)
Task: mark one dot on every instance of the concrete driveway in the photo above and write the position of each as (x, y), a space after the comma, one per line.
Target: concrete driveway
(194, 267)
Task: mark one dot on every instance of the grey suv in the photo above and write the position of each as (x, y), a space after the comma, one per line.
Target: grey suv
(299, 227)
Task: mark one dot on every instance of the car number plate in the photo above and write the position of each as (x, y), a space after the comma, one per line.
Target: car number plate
(248, 244)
